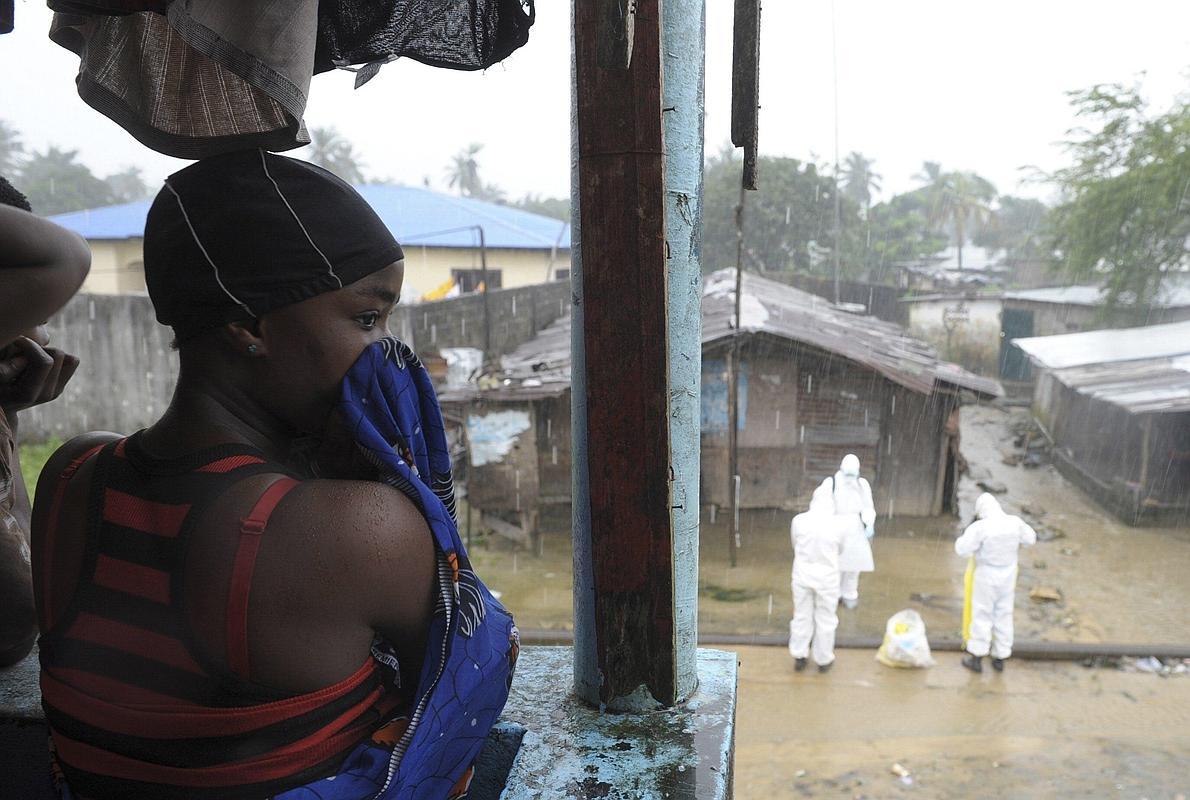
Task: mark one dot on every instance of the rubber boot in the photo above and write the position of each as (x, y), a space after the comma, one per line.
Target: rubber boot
(849, 604)
(825, 667)
(799, 664)
(998, 664)
(973, 663)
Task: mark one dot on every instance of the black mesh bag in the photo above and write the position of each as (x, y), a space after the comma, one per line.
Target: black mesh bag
(457, 34)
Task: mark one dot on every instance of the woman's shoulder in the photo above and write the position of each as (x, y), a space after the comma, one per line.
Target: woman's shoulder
(68, 453)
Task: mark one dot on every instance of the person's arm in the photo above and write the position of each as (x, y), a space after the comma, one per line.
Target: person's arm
(868, 513)
(1028, 535)
(42, 265)
(968, 544)
(18, 619)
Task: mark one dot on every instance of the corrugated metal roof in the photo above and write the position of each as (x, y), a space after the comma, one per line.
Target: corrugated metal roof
(1108, 346)
(417, 217)
(779, 310)
(541, 366)
(1175, 293)
(1149, 386)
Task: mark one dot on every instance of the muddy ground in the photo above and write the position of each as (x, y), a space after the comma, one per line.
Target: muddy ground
(1039, 730)
(1118, 584)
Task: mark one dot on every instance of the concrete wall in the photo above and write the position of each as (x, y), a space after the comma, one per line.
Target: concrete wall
(117, 267)
(927, 315)
(127, 371)
(1050, 319)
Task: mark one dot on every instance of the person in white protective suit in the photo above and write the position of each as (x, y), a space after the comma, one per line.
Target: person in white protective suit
(853, 504)
(993, 541)
(817, 537)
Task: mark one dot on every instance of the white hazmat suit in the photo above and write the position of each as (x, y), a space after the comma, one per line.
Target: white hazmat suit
(994, 540)
(817, 537)
(853, 504)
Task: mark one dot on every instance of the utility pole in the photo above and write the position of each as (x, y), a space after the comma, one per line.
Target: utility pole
(487, 322)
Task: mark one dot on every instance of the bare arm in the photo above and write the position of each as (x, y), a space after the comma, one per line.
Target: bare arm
(18, 619)
(41, 267)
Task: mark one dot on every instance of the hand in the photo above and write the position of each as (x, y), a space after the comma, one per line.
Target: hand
(31, 374)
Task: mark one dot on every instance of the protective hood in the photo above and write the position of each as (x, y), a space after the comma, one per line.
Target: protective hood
(850, 466)
(987, 506)
(822, 502)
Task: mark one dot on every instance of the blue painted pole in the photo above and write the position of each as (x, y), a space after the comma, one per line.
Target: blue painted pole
(683, 44)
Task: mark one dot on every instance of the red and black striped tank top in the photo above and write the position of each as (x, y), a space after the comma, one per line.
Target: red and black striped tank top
(134, 707)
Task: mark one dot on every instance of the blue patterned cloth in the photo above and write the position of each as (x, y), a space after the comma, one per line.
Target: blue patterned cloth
(388, 402)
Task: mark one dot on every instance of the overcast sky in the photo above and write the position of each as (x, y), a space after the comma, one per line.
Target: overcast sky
(973, 85)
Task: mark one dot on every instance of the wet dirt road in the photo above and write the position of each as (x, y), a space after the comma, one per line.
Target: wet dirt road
(1039, 730)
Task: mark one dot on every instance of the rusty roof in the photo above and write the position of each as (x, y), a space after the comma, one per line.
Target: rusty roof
(779, 310)
(541, 367)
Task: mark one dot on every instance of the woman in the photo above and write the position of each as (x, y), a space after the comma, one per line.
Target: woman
(232, 602)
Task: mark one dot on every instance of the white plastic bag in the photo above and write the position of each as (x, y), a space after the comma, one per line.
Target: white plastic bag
(905, 643)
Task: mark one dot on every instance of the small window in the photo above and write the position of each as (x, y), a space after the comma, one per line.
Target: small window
(562, 275)
(469, 280)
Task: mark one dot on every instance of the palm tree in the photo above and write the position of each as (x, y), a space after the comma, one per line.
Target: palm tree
(329, 150)
(859, 181)
(463, 172)
(960, 198)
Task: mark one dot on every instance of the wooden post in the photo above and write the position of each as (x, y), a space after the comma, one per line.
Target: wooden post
(621, 373)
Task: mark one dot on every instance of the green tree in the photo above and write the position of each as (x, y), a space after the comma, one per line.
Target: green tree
(12, 150)
(331, 151)
(1124, 217)
(56, 182)
(1017, 226)
(556, 207)
(127, 186)
(859, 181)
(788, 223)
(899, 231)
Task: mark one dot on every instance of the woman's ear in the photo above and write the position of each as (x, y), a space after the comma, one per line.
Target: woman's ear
(245, 338)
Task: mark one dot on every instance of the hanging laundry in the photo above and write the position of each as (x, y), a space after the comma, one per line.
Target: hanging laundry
(196, 78)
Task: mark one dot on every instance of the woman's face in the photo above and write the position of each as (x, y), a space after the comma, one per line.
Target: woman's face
(308, 347)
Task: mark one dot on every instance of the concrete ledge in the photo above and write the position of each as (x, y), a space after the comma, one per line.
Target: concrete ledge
(566, 748)
(572, 750)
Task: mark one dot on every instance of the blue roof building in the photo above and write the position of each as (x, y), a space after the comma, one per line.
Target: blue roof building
(440, 234)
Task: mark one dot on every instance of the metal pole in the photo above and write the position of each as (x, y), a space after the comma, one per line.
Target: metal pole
(487, 323)
(733, 389)
(838, 210)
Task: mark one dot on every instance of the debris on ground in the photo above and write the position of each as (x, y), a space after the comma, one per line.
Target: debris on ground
(902, 773)
(1047, 534)
(1039, 564)
(1149, 665)
(801, 773)
(979, 473)
(1040, 594)
(1069, 551)
(994, 487)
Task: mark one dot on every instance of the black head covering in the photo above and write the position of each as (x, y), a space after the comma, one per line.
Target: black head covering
(236, 236)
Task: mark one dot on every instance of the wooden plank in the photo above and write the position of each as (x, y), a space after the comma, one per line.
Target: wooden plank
(620, 177)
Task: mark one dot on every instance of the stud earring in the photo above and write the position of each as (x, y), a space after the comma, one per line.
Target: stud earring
(251, 349)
